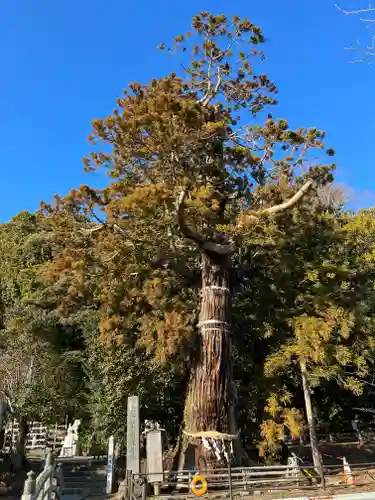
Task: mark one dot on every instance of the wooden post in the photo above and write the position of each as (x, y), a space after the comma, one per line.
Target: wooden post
(126, 484)
(55, 437)
(144, 488)
(229, 470)
(110, 465)
(29, 487)
(131, 485)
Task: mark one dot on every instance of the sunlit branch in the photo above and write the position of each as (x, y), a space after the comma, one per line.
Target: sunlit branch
(252, 216)
(289, 203)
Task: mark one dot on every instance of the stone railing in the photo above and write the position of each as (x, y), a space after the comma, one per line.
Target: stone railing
(47, 485)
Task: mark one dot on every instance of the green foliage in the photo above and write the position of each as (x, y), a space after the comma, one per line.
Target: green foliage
(106, 286)
(40, 377)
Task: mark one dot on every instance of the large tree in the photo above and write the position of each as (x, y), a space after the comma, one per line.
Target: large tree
(192, 174)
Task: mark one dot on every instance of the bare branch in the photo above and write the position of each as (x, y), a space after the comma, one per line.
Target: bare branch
(207, 98)
(252, 216)
(354, 12)
(368, 51)
(99, 227)
(289, 203)
(207, 101)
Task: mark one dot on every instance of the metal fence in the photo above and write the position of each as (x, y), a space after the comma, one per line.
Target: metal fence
(135, 486)
(262, 479)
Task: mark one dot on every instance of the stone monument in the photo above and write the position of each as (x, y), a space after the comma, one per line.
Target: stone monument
(133, 435)
(70, 447)
(154, 451)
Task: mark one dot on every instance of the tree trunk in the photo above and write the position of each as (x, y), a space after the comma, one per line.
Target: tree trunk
(311, 422)
(20, 451)
(210, 406)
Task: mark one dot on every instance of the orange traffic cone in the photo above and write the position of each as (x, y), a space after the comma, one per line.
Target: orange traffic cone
(349, 478)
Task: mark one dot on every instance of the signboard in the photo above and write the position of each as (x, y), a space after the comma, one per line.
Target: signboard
(110, 464)
(132, 435)
(154, 450)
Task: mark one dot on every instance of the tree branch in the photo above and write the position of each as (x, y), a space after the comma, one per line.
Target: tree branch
(98, 227)
(289, 203)
(191, 276)
(252, 216)
(209, 98)
(369, 51)
(354, 12)
(207, 246)
(189, 233)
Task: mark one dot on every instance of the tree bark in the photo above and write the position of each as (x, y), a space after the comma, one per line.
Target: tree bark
(210, 413)
(311, 422)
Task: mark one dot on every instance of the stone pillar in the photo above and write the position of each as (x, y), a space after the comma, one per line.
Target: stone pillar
(29, 487)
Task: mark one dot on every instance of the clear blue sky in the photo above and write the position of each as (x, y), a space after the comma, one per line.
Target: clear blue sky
(65, 62)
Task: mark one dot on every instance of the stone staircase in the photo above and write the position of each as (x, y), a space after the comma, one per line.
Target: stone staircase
(83, 478)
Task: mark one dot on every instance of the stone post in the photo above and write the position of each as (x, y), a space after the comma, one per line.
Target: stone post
(49, 458)
(57, 481)
(132, 435)
(29, 487)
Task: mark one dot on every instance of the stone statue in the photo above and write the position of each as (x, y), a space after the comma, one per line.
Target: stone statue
(70, 447)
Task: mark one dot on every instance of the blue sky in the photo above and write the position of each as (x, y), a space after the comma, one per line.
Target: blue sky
(65, 62)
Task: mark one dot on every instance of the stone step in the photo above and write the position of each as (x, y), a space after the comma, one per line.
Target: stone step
(86, 475)
(82, 494)
(74, 491)
(84, 487)
(86, 480)
(84, 471)
(75, 468)
(81, 486)
(99, 472)
(84, 484)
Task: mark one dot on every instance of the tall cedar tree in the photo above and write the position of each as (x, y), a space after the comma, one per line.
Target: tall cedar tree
(184, 156)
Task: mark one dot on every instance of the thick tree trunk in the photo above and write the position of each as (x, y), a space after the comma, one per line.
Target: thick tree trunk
(311, 422)
(210, 407)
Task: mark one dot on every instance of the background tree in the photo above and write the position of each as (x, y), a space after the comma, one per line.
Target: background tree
(331, 319)
(40, 372)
